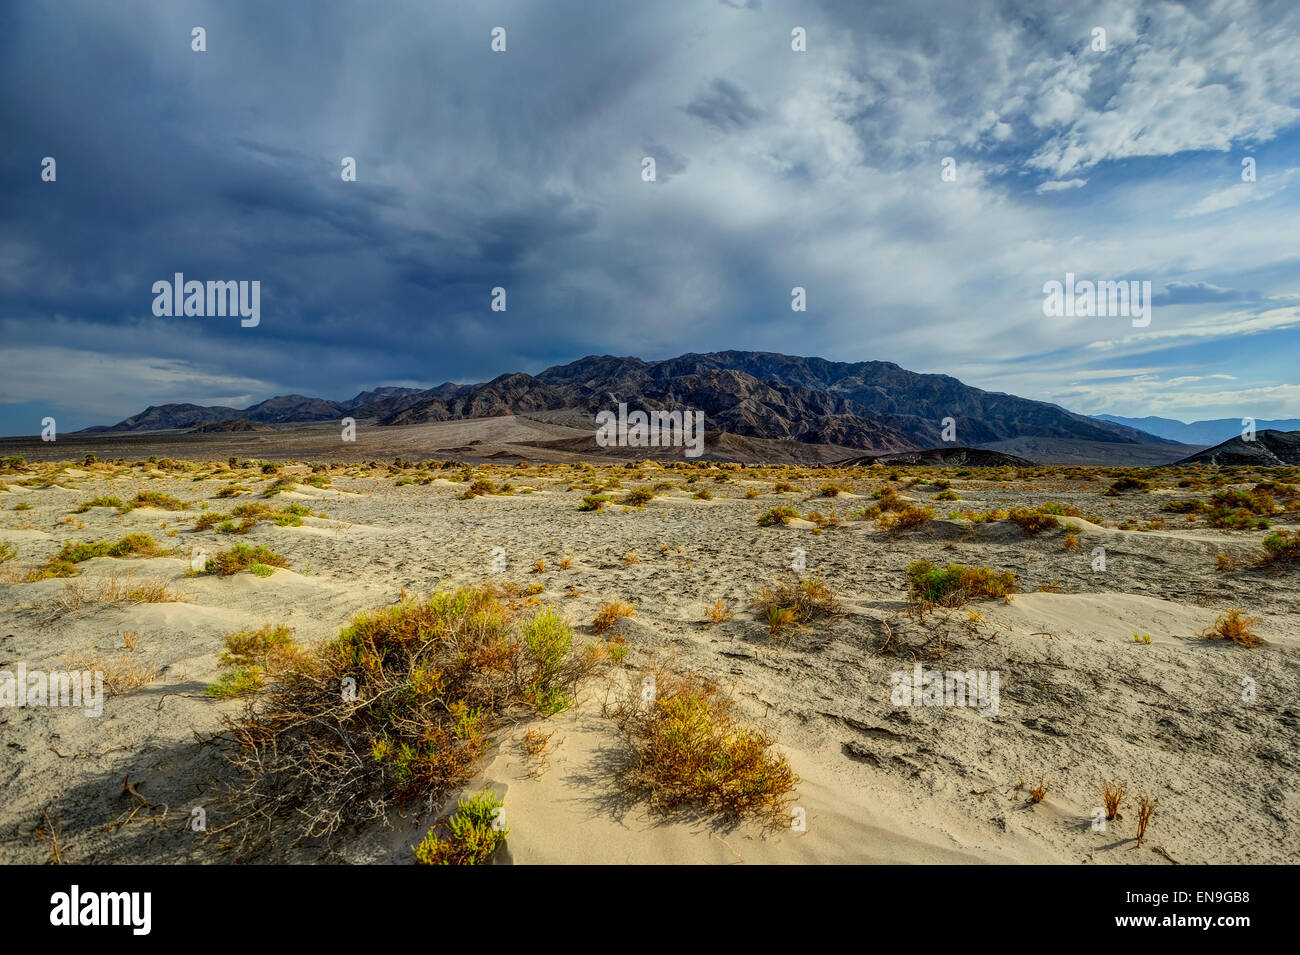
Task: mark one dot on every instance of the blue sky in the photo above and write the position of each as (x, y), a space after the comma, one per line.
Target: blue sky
(522, 169)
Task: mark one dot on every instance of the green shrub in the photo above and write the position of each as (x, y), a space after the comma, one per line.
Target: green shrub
(781, 514)
(159, 500)
(472, 834)
(956, 584)
(1032, 522)
(430, 682)
(130, 545)
(241, 557)
(1281, 546)
(1128, 483)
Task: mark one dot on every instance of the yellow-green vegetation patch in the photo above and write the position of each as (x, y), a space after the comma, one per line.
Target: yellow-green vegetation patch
(795, 603)
(400, 706)
(242, 557)
(475, 831)
(686, 748)
(782, 514)
(107, 501)
(251, 656)
(132, 545)
(956, 584)
(157, 499)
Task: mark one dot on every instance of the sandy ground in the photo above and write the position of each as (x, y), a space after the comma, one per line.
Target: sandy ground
(1080, 700)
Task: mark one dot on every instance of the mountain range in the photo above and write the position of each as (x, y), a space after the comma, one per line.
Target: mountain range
(875, 406)
(1268, 448)
(1199, 432)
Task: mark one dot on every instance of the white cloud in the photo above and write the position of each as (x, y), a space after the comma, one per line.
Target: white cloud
(1060, 185)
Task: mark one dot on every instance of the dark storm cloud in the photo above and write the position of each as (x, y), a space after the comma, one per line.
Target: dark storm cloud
(725, 106)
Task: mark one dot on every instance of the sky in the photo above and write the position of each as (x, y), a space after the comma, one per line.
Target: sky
(523, 169)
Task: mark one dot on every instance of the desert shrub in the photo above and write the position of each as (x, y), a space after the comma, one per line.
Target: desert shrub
(594, 502)
(431, 681)
(1256, 502)
(956, 584)
(1032, 522)
(1281, 547)
(1058, 509)
(609, 614)
(210, 519)
(1128, 483)
(479, 486)
(1146, 809)
(686, 748)
(251, 656)
(907, 516)
(291, 515)
(1112, 797)
(469, 837)
(889, 499)
(124, 672)
(56, 567)
(279, 486)
(1235, 626)
(159, 500)
(947, 495)
(795, 603)
(780, 487)
(829, 519)
(106, 501)
(130, 545)
(232, 490)
(1238, 520)
(241, 557)
(642, 495)
(781, 514)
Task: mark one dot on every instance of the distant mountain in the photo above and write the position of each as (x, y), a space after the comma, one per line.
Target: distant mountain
(873, 406)
(168, 417)
(1199, 432)
(1271, 448)
(942, 458)
(388, 393)
(279, 410)
(226, 427)
(876, 406)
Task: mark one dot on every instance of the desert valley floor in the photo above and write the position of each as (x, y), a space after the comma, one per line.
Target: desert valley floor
(1105, 674)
